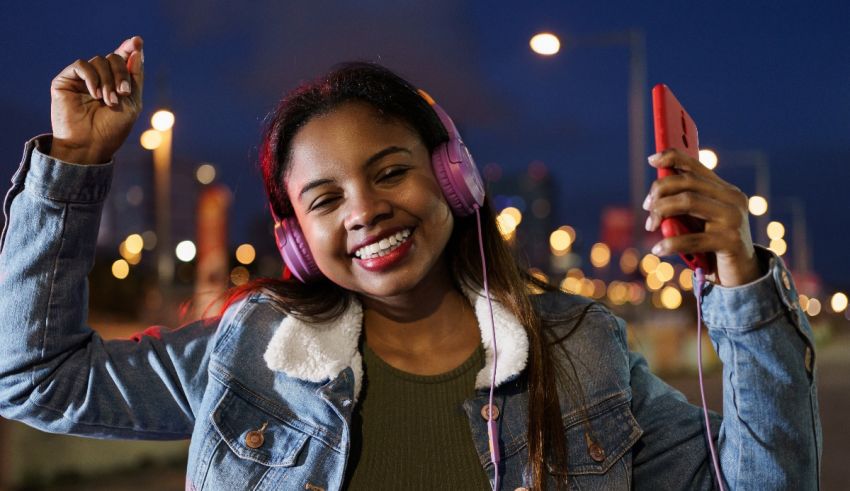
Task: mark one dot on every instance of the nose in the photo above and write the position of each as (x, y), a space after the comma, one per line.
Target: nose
(367, 210)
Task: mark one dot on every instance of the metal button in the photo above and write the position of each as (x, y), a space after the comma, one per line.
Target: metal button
(485, 412)
(786, 280)
(595, 450)
(255, 438)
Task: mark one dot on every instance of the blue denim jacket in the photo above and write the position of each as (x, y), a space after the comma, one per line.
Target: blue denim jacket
(218, 380)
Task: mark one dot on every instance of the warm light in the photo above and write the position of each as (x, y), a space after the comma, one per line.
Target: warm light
(545, 43)
(649, 263)
(671, 298)
(600, 255)
(120, 269)
(758, 205)
(540, 275)
(665, 272)
(560, 240)
(708, 158)
(618, 292)
(636, 294)
(804, 302)
(570, 231)
(599, 288)
(629, 261)
(185, 251)
(686, 279)
(775, 230)
(506, 224)
(245, 254)
(149, 238)
(571, 284)
(129, 256)
(134, 243)
(205, 173)
(162, 120)
(239, 275)
(151, 139)
(586, 289)
(575, 273)
(778, 246)
(515, 213)
(652, 282)
(814, 307)
(838, 302)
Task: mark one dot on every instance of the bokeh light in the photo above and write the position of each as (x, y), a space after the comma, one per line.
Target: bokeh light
(775, 230)
(838, 302)
(665, 272)
(515, 213)
(545, 43)
(778, 246)
(245, 254)
(560, 241)
(239, 275)
(600, 255)
(506, 224)
(757, 205)
(120, 269)
(134, 243)
(205, 173)
(185, 251)
(162, 120)
(708, 158)
(686, 279)
(151, 139)
(649, 263)
(671, 298)
(629, 261)
(814, 307)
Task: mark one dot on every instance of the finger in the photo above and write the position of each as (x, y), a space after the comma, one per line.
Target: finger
(675, 159)
(678, 183)
(130, 45)
(694, 243)
(695, 205)
(135, 65)
(79, 71)
(119, 73)
(107, 82)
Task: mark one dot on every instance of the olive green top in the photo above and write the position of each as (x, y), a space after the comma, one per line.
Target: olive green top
(411, 432)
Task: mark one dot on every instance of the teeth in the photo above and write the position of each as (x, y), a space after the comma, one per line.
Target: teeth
(382, 247)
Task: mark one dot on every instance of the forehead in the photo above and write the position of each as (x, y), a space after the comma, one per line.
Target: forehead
(344, 139)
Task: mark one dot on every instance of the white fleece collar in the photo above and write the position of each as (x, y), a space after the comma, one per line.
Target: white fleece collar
(316, 352)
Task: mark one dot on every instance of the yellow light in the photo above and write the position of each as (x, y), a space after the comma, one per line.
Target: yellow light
(575, 273)
(514, 212)
(708, 158)
(671, 298)
(586, 288)
(778, 246)
(540, 275)
(686, 279)
(134, 243)
(599, 288)
(804, 302)
(560, 240)
(600, 255)
(649, 263)
(545, 43)
(205, 173)
(570, 231)
(245, 254)
(629, 261)
(506, 224)
(652, 282)
(151, 139)
(185, 251)
(239, 275)
(757, 205)
(814, 307)
(665, 272)
(838, 302)
(775, 230)
(636, 294)
(618, 292)
(162, 120)
(571, 284)
(120, 269)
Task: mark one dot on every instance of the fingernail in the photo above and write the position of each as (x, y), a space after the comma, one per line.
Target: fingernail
(113, 97)
(98, 93)
(646, 202)
(654, 158)
(125, 87)
(656, 249)
(648, 223)
(143, 55)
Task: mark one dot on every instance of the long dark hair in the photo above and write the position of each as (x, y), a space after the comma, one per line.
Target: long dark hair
(394, 98)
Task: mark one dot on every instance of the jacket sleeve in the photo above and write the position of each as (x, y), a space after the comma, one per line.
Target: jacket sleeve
(57, 374)
(770, 435)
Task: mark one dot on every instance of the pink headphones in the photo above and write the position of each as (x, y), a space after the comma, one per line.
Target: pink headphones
(455, 171)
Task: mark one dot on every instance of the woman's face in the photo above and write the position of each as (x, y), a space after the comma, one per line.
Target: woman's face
(367, 201)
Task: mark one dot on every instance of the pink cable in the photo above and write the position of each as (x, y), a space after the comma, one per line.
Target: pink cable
(698, 290)
(492, 430)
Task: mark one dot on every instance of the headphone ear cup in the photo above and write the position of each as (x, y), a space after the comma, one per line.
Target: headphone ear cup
(294, 250)
(440, 163)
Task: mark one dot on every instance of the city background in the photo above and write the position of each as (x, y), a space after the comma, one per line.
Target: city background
(560, 126)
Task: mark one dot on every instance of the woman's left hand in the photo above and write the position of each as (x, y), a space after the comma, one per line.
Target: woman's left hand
(697, 191)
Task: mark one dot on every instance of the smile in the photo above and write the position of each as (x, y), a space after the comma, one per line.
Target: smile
(383, 246)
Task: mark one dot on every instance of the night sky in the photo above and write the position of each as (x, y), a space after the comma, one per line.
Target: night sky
(767, 76)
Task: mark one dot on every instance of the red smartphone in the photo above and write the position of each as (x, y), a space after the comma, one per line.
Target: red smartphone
(674, 128)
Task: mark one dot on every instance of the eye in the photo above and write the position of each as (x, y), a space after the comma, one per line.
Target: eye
(323, 201)
(391, 174)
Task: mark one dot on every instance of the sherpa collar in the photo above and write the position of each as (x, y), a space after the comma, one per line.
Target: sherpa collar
(316, 352)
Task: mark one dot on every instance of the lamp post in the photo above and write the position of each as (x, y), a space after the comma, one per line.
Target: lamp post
(160, 142)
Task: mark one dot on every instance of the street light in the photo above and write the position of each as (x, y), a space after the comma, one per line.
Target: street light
(158, 140)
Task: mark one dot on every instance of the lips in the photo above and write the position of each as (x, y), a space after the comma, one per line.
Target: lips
(384, 246)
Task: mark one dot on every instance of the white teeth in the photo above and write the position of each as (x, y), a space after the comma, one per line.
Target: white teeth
(382, 247)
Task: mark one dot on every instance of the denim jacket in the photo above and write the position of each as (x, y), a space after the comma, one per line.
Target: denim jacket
(267, 399)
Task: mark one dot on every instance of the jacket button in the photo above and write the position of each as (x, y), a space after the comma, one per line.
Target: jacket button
(785, 280)
(485, 412)
(596, 452)
(255, 438)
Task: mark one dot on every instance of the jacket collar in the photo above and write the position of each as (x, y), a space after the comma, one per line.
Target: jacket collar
(315, 352)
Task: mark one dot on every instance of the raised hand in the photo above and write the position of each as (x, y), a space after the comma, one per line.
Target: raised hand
(94, 104)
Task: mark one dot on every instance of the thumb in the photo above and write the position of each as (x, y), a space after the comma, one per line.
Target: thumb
(136, 67)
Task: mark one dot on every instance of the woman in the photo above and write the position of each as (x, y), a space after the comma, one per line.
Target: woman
(374, 372)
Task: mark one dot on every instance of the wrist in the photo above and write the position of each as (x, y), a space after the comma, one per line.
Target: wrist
(75, 154)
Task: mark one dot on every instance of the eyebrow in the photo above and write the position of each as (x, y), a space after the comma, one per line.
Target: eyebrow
(371, 160)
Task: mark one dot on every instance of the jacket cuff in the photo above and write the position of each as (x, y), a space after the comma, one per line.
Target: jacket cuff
(65, 181)
(756, 303)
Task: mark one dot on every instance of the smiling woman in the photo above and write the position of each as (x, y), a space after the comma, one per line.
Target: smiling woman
(391, 357)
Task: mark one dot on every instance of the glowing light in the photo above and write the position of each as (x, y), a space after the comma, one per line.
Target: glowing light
(506, 224)
(618, 292)
(151, 139)
(636, 294)
(629, 261)
(162, 120)
(129, 255)
(571, 284)
(600, 255)
(778, 246)
(540, 275)
(545, 43)
(586, 289)
(814, 307)
(686, 279)
(649, 263)
(239, 275)
(134, 243)
(652, 282)
(757, 205)
(120, 269)
(205, 173)
(575, 273)
(560, 240)
(804, 302)
(245, 254)
(671, 298)
(708, 158)
(775, 230)
(665, 272)
(838, 302)
(515, 213)
(185, 251)
(599, 288)
(149, 238)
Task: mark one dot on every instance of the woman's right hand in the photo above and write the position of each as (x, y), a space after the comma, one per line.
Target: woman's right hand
(95, 103)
